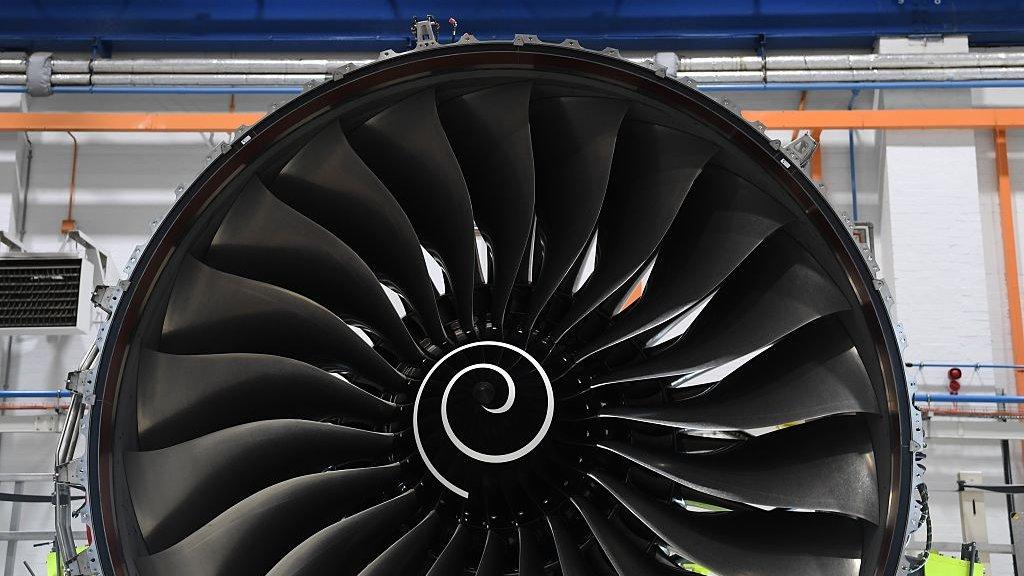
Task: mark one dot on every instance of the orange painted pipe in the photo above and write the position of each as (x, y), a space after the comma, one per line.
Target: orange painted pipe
(1009, 237)
(917, 119)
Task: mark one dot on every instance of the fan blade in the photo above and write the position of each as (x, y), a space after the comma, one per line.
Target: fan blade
(569, 558)
(251, 536)
(751, 543)
(492, 558)
(653, 169)
(778, 290)
(721, 222)
(530, 562)
(330, 184)
(814, 372)
(490, 132)
(185, 397)
(345, 547)
(264, 239)
(406, 147)
(573, 142)
(406, 555)
(825, 465)
(214, 312)
(231, 464)
(625, 558)
(452, 558)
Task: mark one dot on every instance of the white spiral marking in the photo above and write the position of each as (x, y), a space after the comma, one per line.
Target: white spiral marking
(480, 456)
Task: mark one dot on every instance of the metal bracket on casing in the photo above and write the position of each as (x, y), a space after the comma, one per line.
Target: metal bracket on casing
(105, 297)
(426, 32)
(801, 150)
(83, 382)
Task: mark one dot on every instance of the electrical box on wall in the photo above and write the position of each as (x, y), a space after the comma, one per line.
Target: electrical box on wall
(45, 294)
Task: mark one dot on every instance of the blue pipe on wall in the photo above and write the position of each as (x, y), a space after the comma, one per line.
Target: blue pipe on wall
(35, 393)
(963, 365)
(750, 87)
(165, 89)
(968, 398)
(853, 162)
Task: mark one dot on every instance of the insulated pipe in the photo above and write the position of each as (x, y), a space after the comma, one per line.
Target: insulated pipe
(899, 75)
(195, 79)
(17, 62)
(848, 62)
(743, 87)
(210, 65)
(896, 85)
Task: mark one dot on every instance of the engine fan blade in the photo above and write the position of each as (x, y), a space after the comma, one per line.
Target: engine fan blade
(185, 397)
(778, 290)
(345, 547)
(530, 563)
(492, 558)
(329, 183)
(407, 148)
(814, 372)
(722, 221)
(214, 312)
(264, 239)
(229, 465)
(452, 558)
(653, 169)
(569, 558)
(826, 465)
(251, 536)
(624, 557)
(750, 543)
(573, 142)
(406, 555)
(490, 132)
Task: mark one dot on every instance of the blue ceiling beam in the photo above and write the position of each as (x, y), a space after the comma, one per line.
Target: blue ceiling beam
(280, 25)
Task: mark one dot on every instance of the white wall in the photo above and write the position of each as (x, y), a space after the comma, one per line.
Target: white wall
(127, 180)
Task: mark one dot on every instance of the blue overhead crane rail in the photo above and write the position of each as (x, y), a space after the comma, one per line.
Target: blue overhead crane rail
(104, 27)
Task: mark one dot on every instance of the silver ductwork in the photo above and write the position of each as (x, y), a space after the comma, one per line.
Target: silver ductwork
(707, 70)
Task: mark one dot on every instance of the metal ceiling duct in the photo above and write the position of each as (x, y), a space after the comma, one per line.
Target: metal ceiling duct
(497, 308)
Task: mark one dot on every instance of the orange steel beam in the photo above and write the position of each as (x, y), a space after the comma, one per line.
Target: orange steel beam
(1010, 255)
(917, 119)
(125, 121)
